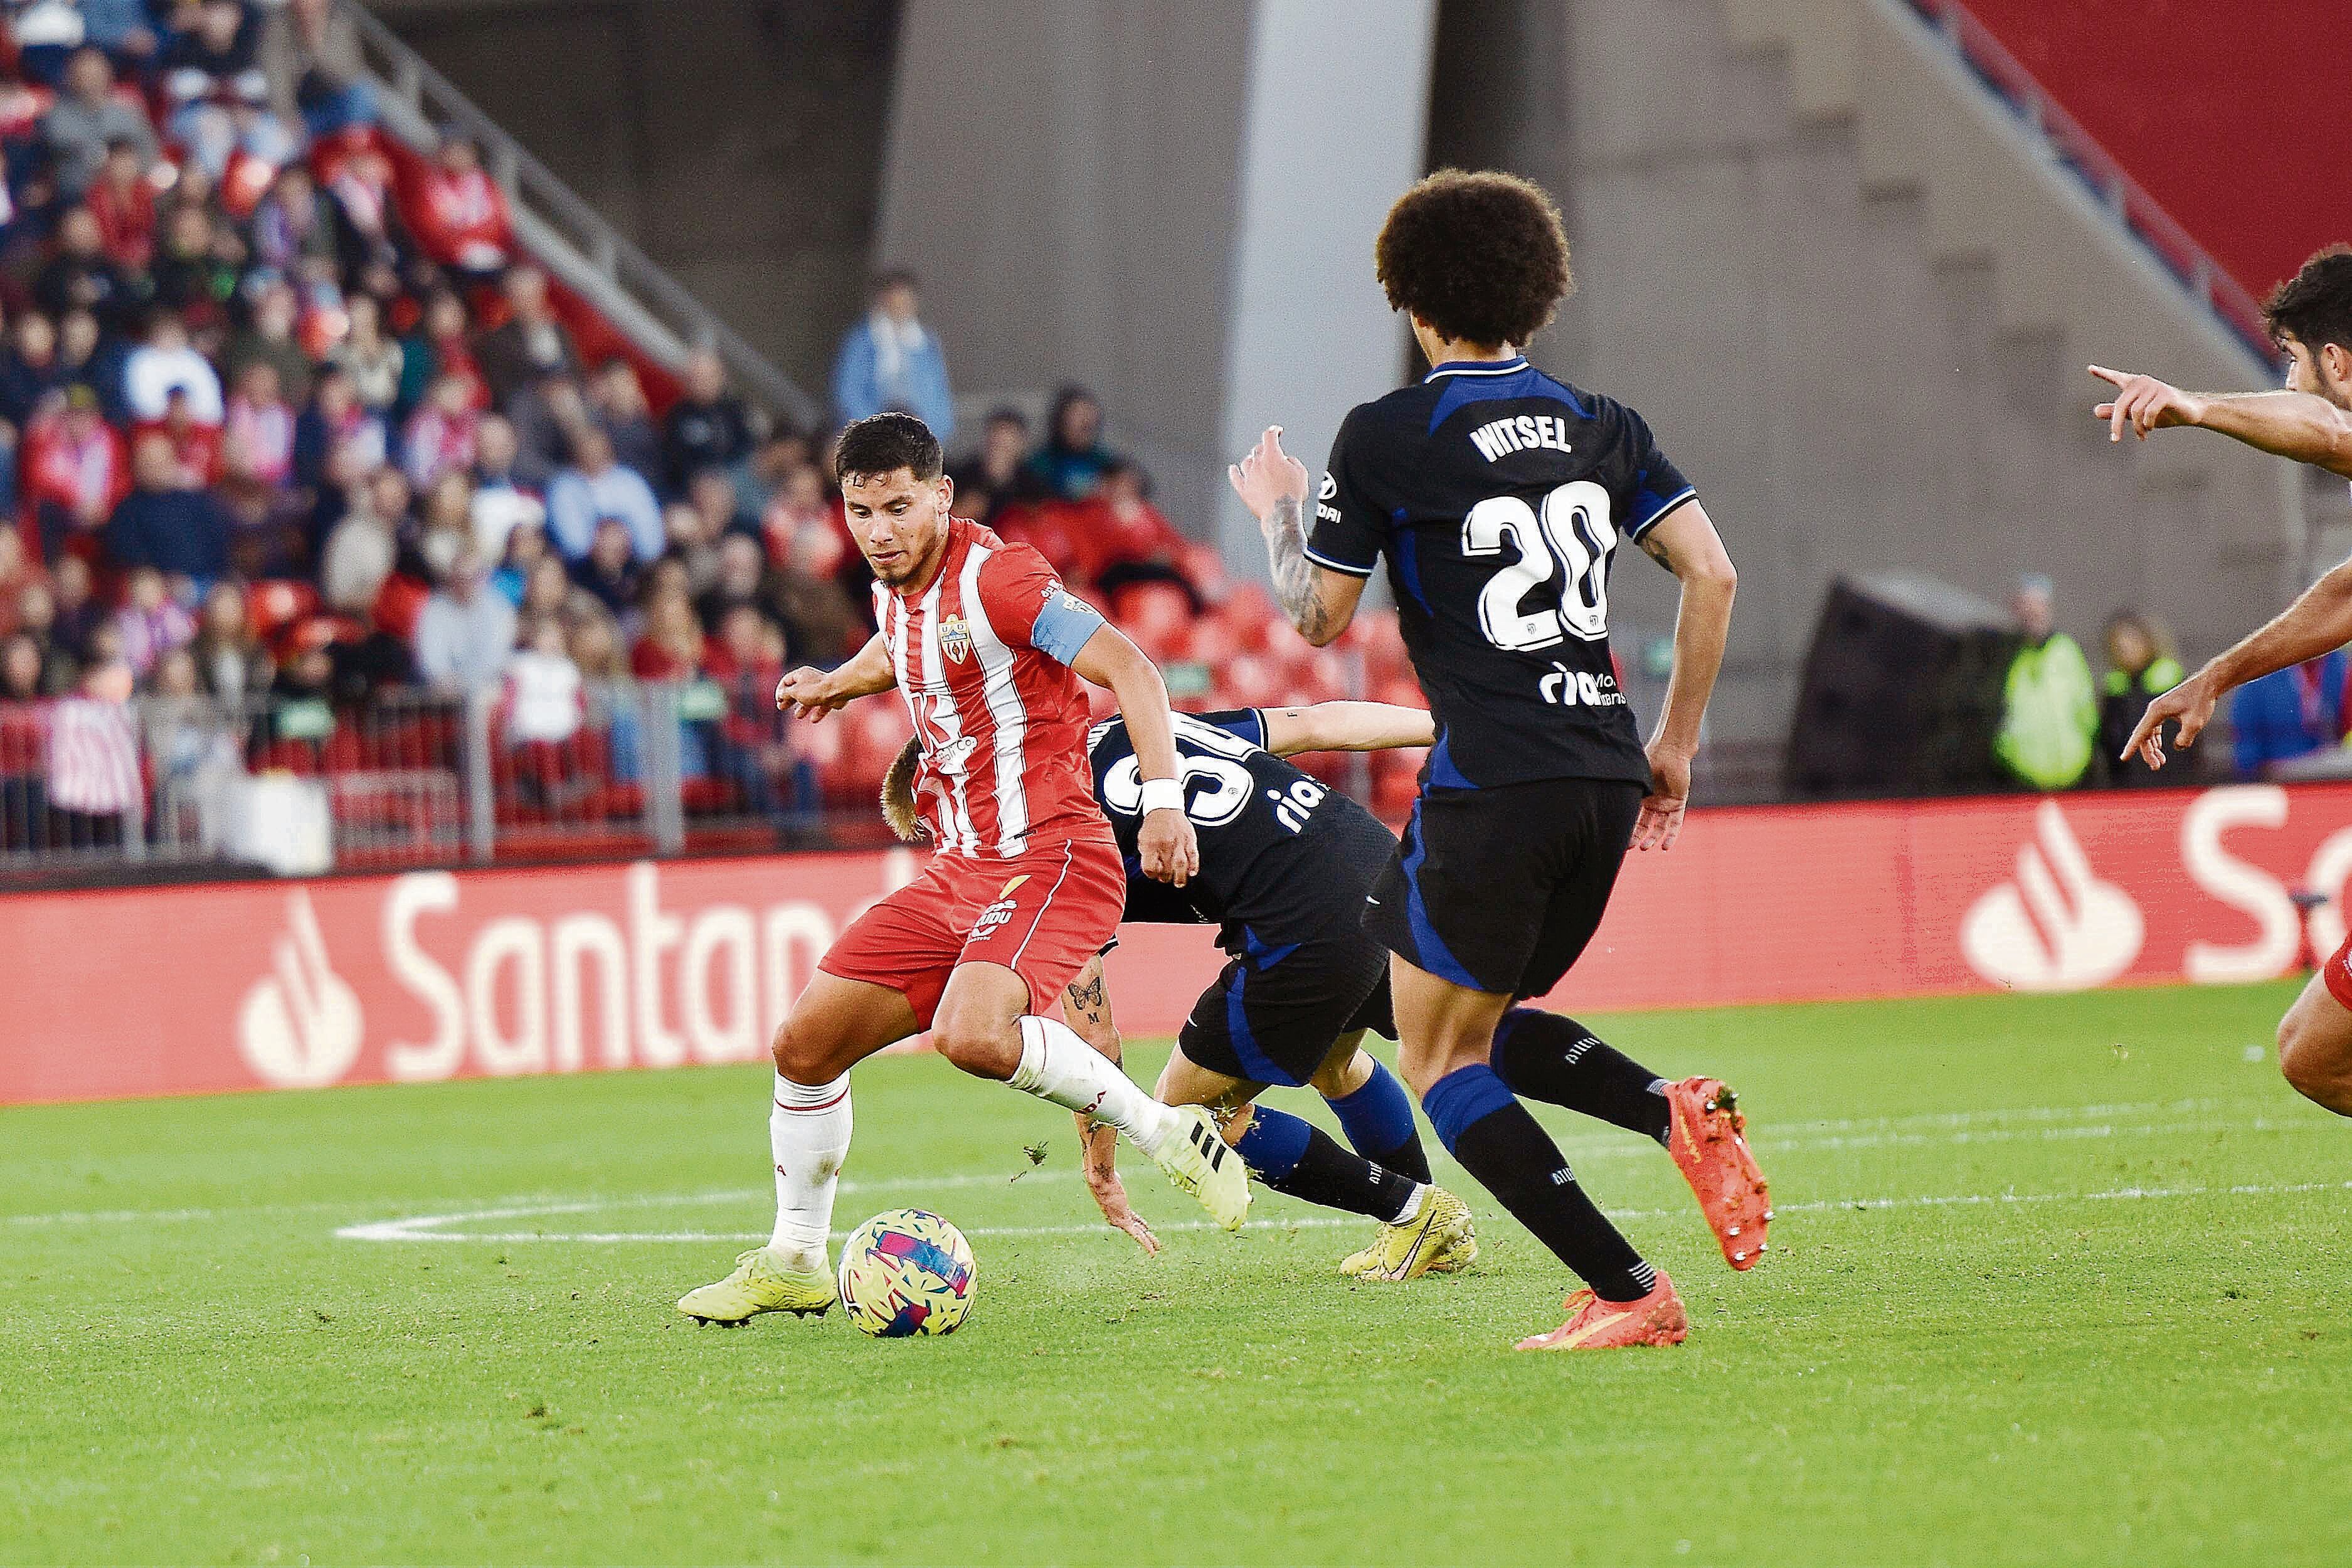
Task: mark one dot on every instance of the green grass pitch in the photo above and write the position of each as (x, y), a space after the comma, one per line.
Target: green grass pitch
(2053, 1280)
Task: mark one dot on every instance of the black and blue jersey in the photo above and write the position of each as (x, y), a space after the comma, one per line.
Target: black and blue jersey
(1500, 496)
(1284, 857)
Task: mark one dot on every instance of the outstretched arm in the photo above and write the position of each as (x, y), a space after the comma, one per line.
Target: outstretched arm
(2318, 623)
(1273, 485)
(814, 693)
(1346, 727)
(2285, 423)
(1686, 543)
(1085, 1007)
(1165, 842)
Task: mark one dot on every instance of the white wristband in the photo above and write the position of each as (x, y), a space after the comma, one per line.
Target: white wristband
(1162, 794)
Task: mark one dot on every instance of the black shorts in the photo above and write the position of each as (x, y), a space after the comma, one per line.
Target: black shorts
(1499, 890)
(1270, 1018)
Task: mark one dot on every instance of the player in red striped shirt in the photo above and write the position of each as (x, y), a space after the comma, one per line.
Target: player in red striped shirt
(987, 648)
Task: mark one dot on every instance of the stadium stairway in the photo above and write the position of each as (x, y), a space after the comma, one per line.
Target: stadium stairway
(2071, 266)
(586, 255)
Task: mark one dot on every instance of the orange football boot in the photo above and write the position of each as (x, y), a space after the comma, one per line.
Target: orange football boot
(1594, 1324)
(1706, 1140)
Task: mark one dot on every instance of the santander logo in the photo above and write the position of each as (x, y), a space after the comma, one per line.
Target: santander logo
(299, 1025)
(2057, 927)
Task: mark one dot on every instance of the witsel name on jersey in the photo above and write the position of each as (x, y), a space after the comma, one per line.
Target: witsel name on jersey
(1520, 433)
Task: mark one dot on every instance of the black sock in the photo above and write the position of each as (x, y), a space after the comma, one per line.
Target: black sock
(1501, 1144)
(1548, 1056)
(1301, 1160)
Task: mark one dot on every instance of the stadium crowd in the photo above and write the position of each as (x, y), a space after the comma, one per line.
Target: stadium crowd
(290, 424)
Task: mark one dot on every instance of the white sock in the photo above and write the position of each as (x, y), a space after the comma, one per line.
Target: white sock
(808, 1133)
(1056, 1065)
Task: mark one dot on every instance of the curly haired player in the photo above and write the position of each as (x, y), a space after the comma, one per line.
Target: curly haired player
(1498, 496)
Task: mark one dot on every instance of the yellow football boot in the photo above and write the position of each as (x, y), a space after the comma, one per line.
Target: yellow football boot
(762, 1283)
(1196, 1159)
(1438, 1240)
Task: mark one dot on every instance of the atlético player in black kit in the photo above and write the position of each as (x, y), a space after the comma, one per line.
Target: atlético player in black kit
(1285, 862)
(1499, 497)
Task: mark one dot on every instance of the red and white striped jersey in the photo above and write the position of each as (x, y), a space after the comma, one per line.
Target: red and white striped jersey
(1002, 720)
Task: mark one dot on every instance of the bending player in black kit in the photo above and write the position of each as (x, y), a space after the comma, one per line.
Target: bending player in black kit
(1499, 497)
(1285, 864)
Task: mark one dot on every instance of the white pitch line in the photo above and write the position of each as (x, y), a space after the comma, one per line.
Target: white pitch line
(424, 1228)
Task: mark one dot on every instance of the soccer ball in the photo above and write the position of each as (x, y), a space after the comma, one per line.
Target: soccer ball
(907, 1272)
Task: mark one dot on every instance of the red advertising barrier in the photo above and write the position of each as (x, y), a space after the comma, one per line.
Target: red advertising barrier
(437, 975)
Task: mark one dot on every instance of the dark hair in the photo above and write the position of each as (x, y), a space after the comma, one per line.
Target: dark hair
(883, 443)
(1005, 414)
(2315, 304)
(1480, 256)
(896, 277)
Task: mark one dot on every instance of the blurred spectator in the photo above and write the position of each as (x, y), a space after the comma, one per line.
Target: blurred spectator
(150, 622)
(803, 529)
(693, 545)
(293, 235)
(230, 661)
(29, 369)
(2287, 714)
(37, 622)
(93, 773)
(75, 470)
(1122, 538)
(166, 359)
(335, 422)
(544, 591)
(548, 416)
(467, 631)
(88, 114)
(1070, 463)
(544, 702)
(595, 489)
(168, 523)
(20, 669)
(532, 344)
(460, 216)
(890, 360)
(672, 647)
(446, 527)
(617, 406)
(377, 364)
(2049, 710)
(368, 232)
(995, 477)
(708, 426)
(78, 617)
(218, 97)
(258, 436)
(16, 573)
(2140, 667)
(609, 571)
(198, 263)
(320, 62)
(741, 577)
(501, 505)
(195, 446)
(85, 354)
(122, 201)
(365, 544)
(439, 347)
(80, 275)
(267, 337)
(123, 28)
(44, 33)
(441, 434)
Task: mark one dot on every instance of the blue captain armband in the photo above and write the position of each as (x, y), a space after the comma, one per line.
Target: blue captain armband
(1064, 625)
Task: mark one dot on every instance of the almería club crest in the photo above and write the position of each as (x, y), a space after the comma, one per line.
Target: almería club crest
(955, 638)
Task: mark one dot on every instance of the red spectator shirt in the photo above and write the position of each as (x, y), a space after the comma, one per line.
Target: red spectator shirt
(455, 215)
(93, 472)
(1002, 722)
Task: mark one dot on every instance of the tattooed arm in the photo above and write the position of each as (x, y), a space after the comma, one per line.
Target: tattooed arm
(1273, 485)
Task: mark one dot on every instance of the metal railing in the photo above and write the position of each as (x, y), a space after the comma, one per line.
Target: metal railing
(567, 235)
(413, 778)
(1973, 44)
